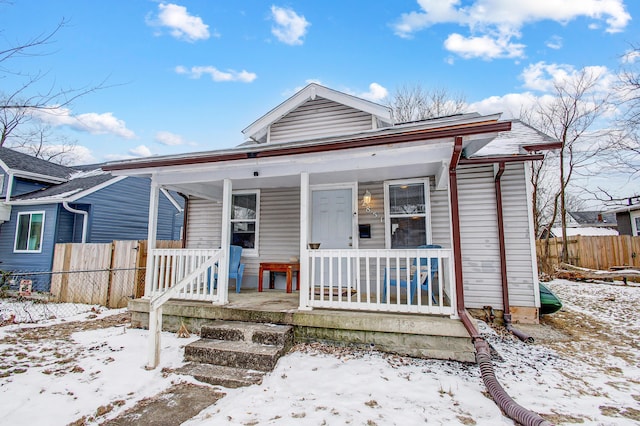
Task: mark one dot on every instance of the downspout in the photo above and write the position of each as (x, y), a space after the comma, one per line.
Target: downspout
(483, 355)
(503, 261)
(184, 219)
(85, 219)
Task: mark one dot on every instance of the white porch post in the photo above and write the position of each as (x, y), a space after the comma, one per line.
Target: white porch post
(225, 241)
(304, 238)
(153, 345)
(152, 231)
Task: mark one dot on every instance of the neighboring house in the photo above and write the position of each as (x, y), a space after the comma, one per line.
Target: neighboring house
(628, 217)
(588, 223)
(45, 204)
(331, 168)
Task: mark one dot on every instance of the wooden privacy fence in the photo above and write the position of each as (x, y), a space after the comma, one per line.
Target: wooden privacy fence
(602, 252)
(107, 274)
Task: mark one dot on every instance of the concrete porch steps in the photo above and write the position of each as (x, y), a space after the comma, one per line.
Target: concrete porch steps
(235, 353)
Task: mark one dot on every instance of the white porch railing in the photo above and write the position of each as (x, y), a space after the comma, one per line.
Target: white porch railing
(381, 280)
(193, 269)
(183, 274)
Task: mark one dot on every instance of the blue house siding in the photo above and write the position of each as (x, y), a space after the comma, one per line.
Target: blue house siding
(65, 231)
(30, 262)
(23, 186)
(117, 212)
(121, 212)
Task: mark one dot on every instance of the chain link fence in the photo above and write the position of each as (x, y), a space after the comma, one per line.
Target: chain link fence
(28, 296)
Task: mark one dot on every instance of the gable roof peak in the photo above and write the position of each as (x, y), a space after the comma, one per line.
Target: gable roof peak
(259, 128)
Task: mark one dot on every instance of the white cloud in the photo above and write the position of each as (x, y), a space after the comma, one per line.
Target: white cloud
(631, 56)
(140, 151)
(92, 122)
(502, 20)
(554, 42)
(540, 80)
(169, 139)
(376, 93)
(510, 104)
(217, 75)
(543, 77)
(181, 25)
(289, 27)
(484, 47)
(80, 154)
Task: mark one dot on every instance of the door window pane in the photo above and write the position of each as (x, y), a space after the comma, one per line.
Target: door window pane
(407, 199)
(408, 232)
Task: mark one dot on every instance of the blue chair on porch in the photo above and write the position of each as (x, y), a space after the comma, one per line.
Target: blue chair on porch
(420, 275)
(236, 269)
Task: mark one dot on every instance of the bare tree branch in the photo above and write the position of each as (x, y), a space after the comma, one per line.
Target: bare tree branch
(414, 103)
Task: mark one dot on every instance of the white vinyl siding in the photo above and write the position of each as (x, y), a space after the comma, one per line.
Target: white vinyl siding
(204, 227)
(369, 218)
(319, 118)
(480, 241)
(440, 217)
(520, 267)
(279, 227)
(479, 237)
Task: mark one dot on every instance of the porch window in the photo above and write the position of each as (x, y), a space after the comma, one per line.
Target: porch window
(407, 211)
(244, 220)
(29, 230)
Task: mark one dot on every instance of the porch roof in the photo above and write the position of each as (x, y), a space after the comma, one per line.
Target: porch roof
(471, 126)
(406, 150)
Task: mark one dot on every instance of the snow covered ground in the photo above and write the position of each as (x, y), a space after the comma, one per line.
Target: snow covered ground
(584, 368)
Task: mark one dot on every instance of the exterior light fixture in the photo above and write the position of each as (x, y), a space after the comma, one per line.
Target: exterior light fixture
(366, 198)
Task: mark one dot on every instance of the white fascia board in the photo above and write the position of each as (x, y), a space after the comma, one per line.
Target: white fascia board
(36, 176)
(70, 198)
(4, 166)
(331, 161)
(312, 91)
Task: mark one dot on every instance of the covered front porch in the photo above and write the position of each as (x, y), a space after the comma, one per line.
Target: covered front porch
(354, 205)
(414, 335)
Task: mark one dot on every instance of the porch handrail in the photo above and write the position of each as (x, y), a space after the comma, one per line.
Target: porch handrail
(160, 297)
(381, 280)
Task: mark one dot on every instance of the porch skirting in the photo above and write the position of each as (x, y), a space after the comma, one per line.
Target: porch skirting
(423, 336)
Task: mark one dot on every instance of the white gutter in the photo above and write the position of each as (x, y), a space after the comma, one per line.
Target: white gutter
(85, 220)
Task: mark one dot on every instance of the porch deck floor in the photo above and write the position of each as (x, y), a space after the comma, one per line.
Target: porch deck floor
(267, 300)
(430, 336)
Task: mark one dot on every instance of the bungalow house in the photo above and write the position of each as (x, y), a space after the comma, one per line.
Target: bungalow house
(628, 217)
(46, 203)
(588, 223)
(430, 217)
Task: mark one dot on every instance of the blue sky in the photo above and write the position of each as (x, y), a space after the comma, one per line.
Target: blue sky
(190, 75)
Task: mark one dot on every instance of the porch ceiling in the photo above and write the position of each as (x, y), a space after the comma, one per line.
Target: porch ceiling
(357, 165)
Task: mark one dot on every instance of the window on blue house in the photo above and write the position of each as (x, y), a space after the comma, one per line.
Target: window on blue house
(29, 231)
(244, 220)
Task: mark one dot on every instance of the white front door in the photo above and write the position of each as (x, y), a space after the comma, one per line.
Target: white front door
(332, 218)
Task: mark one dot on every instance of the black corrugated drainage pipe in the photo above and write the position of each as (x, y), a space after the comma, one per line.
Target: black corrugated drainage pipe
(503, 261)
(483, 356)
(519, 334)
(512, 409)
